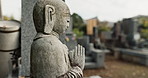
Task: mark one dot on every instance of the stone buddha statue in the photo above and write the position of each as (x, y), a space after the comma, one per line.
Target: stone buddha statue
(50, 58)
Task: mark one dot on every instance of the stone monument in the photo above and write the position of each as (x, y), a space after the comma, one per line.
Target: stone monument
(50, 58)
(27, 35)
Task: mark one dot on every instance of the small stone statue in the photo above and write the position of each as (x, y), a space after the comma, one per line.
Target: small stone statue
(49, 56)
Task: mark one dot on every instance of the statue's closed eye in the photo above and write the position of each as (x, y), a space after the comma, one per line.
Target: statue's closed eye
(66, 14)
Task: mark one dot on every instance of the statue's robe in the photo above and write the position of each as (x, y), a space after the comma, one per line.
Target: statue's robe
(49, 59)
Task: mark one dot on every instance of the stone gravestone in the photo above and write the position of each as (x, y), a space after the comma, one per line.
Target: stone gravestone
(27, 34)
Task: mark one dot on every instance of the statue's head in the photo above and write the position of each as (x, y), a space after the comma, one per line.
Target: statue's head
(51, 15)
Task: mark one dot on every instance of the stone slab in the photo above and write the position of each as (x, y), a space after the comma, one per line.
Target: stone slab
(138, 53)
(136, 56)
(27, 35)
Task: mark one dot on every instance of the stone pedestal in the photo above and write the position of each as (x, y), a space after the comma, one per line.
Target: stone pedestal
(135, 56)
(117, 53)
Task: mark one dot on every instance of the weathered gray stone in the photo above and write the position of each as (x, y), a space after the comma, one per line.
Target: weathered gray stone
(136, 56)
(94, 57)
(84, 41)
(49, 57)
(27, 35)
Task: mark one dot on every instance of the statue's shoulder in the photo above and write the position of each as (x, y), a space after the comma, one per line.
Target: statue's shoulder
(50, 43)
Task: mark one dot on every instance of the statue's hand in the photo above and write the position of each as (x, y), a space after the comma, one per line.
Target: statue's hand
(77, 57)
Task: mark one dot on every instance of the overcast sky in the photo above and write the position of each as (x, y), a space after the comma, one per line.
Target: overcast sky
(11, 8)
(111, 10)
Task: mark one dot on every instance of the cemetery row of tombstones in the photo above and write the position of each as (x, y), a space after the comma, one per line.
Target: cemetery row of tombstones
(126, 42)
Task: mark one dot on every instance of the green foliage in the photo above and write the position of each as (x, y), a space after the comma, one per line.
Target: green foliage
(103, 28)
(144, 33)
(77, 21)
(8, 18)
(145, 24)
(143, 21)
(78, 32)
(79, 26)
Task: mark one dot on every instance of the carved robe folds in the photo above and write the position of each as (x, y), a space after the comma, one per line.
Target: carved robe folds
(51, 56)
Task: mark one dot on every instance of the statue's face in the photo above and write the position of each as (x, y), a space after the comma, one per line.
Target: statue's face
(51, 14)
(66, 20)
(62, 21)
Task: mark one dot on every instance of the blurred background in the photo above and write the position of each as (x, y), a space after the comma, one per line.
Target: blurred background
(114, 33)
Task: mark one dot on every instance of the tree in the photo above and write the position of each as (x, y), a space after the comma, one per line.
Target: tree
(144, 29)
(77, 21)
(144, 33)
(8, 18)
(79, 27)
(145, 23)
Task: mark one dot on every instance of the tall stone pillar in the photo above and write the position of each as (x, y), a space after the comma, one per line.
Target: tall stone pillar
(27, 35)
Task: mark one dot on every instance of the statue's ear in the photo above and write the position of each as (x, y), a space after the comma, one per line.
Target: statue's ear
(49, 18)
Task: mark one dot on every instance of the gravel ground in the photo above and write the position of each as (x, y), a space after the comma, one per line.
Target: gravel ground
(118, 69)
